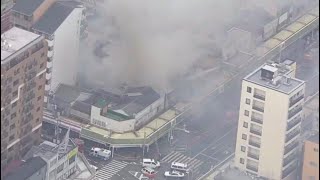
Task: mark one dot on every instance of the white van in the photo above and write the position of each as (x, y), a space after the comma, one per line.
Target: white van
(151, 163)
(101, 153)
(179, 166)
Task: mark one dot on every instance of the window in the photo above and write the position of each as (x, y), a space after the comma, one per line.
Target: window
(247, 101)
(246, 113)
(37, 120)
(249, 89)
(15, 93)
(60, 168)
(312, 178)
(11, 137)
(316, 150)
(313, 164)
(72, 159)
(10, 149)
(12, 126)
(14, 104)
(38, 109)
(42, 54)
(39, 98)
(16, 82)
(41, 76)
(41, 65)
(241, 160)
(243, 149)
(245, 124)
(244, 136)
(13, 115)
(39, 87)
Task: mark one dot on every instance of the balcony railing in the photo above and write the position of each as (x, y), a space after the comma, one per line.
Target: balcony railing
(290, 147)
(289, 159)
(288, 170)
(259, 96)
(294, 112)
(292, 134)
(293, 123)
(257, 120)
(255, 144)
(260, 109)
(254, 156)
(252, 168)
(256, 132)
(293, 102)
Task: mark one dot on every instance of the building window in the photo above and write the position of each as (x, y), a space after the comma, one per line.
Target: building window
(41, 76)
(37, 120)
(10, 149)
(244, 136)
(241, 160)
(42, 54)
(13, 115)
(313, 164)
(39, 98)
(246, 112)
(247, 101)
(15, 93)
(41, 65)
(311, 178)
(12, 126)
(72, 159)
(316, 150)
(11, 137)
(14, 104)
(249, 89)
(16, 82)
(38, 109)
(245, 124)
(60, 168)
(243, 149)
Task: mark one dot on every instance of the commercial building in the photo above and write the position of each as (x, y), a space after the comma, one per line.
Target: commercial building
(61, 159)
(6, 6)
(23, 67)
(310, 168)
(34, 168)
(60, 22)
(269, 121)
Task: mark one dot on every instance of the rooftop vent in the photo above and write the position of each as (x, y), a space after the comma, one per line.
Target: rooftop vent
(269, 72)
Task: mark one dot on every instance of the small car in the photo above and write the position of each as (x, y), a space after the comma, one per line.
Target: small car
(150, 173)
(151, 163)
(174, 173)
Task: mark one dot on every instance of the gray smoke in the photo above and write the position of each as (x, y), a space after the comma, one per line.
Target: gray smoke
(151, 42)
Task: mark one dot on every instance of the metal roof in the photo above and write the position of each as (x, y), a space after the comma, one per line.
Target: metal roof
(26, 7)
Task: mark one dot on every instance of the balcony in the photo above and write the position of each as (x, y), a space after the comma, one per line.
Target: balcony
(293, 123)
(259, 96)
(256, 132)
(257, 108)
(253, 156)
(295, 101)
(288, 170)
(256, 120)
(255, 144)
(290, 147)
(252, 168)
(292, 135)
(289, 159)
(294, 112)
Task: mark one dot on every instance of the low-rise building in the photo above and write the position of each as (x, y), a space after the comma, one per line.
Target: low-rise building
(310, 168)
(34, 168)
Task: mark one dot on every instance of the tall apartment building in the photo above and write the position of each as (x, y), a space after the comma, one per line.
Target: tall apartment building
(23, 67)
(6, 6)
(310, 168)
(269, 121)
(60, 22)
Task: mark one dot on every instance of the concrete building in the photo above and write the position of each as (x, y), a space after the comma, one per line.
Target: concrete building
(6, 6)
(61, 159)
(23, 67)
(269, 121)
(34, 168)
(61, 23)
(310, 168)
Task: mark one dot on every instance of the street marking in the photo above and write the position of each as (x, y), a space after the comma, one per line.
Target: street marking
(192, 163)
(109, 170)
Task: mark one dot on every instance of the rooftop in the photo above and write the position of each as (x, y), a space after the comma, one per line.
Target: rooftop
(314, 138)
(281, 81)
(26, 7)
(53, 18)
(27, 169)
(232, 174)
(15, 39)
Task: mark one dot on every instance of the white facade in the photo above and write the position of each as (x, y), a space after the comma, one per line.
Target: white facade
(269, 126)
(126, 125)
(64, 51)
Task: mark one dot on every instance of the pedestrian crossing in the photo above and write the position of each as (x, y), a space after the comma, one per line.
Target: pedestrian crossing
(175, 156)
(109, 170)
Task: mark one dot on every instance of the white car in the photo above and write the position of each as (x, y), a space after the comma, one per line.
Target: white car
(174, 174)
(151, 163)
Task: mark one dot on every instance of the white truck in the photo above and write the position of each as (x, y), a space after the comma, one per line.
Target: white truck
(101, 153)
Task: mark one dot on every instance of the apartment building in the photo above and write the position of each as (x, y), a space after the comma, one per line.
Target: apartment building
(6, 6)
(61, 22)
(23, 67)
(310, 168)
(269, 121)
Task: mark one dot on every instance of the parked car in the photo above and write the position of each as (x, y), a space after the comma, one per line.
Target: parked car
(149, 172)
(174, 173)
(179, 166)
(151, 163)
(101, 153)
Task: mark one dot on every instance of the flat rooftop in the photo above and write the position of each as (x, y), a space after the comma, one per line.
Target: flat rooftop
(282, 86)
(232, 174)
(15, 39)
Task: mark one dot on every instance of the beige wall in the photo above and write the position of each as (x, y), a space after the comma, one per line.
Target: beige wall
(311, 154)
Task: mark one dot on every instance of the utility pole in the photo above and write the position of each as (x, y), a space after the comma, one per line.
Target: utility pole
(144, 143)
